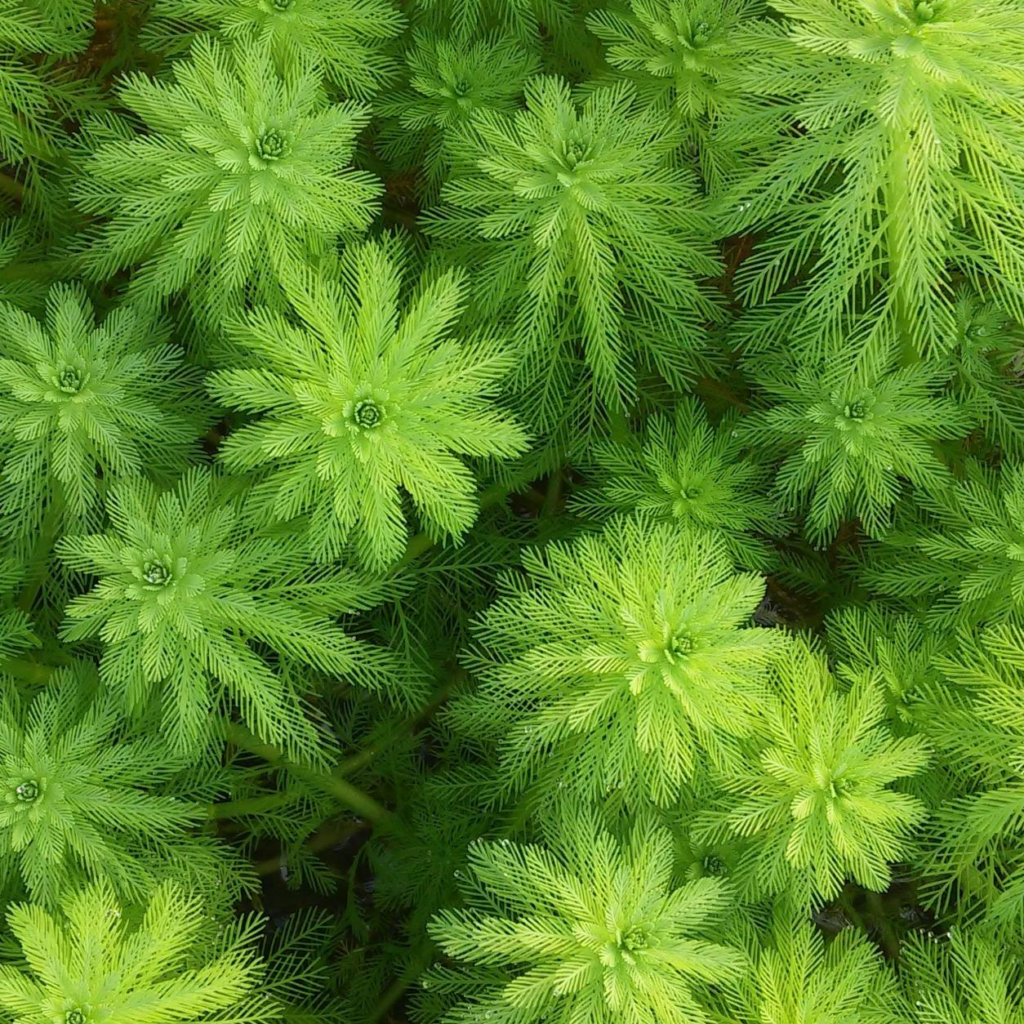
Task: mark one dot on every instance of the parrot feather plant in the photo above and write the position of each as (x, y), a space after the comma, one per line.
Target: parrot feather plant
(622, 661)
(365, 401)
(186, 595)
(595, 244)
(903, 171)
(511, 511)
(240, 176)
(594, 926)
(84, 404)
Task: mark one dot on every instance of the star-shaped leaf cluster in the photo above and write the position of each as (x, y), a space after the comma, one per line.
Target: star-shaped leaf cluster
(620, 661)
(190, 600)
(589, 929)
(92, 963)
(83, 799)
(364, 400)
(83, 404)
(240, 174)
(595, 242)
(817, 790)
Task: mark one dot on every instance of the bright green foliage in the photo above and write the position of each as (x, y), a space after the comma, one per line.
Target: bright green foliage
(718, 859)
(91, 963)
(239, 178)
(589, 930)
(620, 661)
(817, 794)
(907, 161)
(33, 91)
(961, 557)
(549, 468)
(449, 80)
(81, 799)
(346, 38)
(15, 625)
(186, 590)
(798, 979)
(518, 19)
(70, 18)
(974, 720)
(686, 471)
(366, 399)
(960, 978)
(851, 431)
(683, 58)
(83, 404)
(20, 283)
(984, 357)
(591, 236)
(899, 649)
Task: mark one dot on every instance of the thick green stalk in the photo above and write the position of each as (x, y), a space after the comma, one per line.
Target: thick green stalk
(251, 805)
(30, 672)
(343, 791)
(11, 187)
(897, 196)
(413, 969)
(323, 840)
(408, 726)
(41, 554)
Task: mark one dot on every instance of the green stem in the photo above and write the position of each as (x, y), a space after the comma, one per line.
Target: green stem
(27, 671)
(397, 988)
(40, 558)
(553, 498)
(251, 805)
(344, 792)
(321, 841)
(887, 937)
(408, 726)
(897, 196)
(10, 186)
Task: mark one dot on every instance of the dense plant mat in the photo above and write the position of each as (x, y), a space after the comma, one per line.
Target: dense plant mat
(511, 512)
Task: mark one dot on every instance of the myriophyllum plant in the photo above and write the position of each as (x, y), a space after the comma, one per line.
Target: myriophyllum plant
(684, 470)
(364, 399)
(189, 600)
(86, 403)
(852, 427)
(957, 553)
(348, 39)
(898, 160)
(449, 81)
(589, 928)
(586, 238)
(82, 799)
(816, 793)
(971, 716)
(683, 58)
(620, 661)
(34, 39)
(97, 961)
(240, 175)
(798, 976)
(965, 977)
(984, 355)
